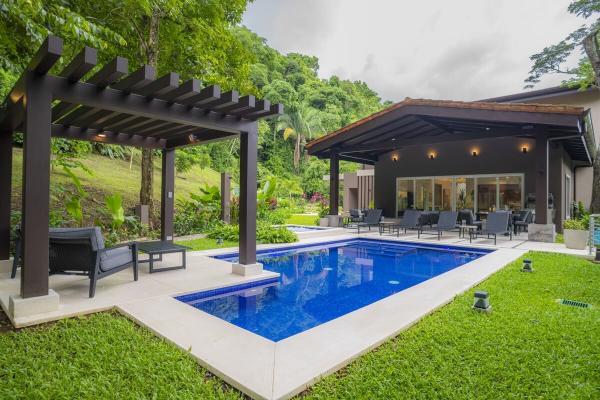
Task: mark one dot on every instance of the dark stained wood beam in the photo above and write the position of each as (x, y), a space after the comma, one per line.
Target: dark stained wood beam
(110, 73)
(180, 94)
(47, 55)
(157, 128)
(113, 100)
(6, 148)
(243, 105)
(199, 138)
(261, 107)
(362, 159)
(165, 84)
(101, 136)
(167, 204)
(136, 80)
(81, 64)
(541, 178)
(225, 100)
(35, 197)
(208, 94)
(274, 110)
(248, 173)
(334, 184)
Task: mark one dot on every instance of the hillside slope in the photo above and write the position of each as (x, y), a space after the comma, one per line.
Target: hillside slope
(113, 176)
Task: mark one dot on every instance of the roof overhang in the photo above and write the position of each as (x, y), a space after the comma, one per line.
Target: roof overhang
(414, 122)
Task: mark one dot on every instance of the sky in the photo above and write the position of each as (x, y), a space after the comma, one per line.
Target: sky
(437, 49)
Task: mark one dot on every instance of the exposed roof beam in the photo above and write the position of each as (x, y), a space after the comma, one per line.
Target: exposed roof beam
(225, 100)
(47, 55)
(136, 80)
(95, 135)
(208, 94)
(110, 73)
(83, 63)
(165, 84)
(245, 103)
(186, 90)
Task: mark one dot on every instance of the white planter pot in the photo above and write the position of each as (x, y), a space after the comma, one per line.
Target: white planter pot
(324, 221)
(575, 239)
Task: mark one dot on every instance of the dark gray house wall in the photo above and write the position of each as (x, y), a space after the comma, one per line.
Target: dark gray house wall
(495, 156)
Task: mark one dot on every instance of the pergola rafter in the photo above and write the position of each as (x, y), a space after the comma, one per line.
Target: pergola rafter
(116, 107)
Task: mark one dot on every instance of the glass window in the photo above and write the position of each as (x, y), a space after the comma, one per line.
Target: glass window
(465, 193)
(423, 194)
(442, 194)
(486, 194)
(510, 192)
(406, 194)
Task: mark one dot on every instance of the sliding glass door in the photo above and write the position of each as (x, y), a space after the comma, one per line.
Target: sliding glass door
(476, 192)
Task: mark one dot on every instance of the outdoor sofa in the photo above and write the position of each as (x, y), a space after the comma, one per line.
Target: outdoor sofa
(81, 251)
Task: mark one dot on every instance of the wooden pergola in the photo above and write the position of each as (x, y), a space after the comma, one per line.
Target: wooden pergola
(112, 106)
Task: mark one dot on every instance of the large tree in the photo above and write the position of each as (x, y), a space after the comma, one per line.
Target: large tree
(300, 122)
(585, 41)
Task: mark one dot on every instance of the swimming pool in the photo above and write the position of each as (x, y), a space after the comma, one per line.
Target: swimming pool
(304, 228)
(324, 281)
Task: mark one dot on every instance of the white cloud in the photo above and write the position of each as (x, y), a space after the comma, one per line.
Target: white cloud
(461, 49)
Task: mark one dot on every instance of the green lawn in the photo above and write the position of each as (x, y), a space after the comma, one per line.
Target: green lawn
(206, 244)
(114, 176)
(302, 219)
(529, 347)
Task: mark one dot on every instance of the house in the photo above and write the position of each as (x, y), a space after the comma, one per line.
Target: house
(484, 155)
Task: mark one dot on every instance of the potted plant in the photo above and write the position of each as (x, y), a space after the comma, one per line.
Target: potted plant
(576, 233)
(323, 215)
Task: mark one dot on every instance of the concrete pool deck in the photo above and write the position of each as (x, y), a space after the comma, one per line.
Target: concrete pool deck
(255, 365)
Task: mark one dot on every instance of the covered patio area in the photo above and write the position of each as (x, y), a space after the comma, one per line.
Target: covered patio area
(116, 107)
(438, 155)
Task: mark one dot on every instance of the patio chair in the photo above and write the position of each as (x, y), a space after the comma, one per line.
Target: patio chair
(468, 216)
(356, 216)
(522, 222)
(412, 220)
(81, 251)
(446, 223)
(372, 218)
(497, 223)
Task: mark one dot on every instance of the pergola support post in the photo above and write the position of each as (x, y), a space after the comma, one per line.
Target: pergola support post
(35, 196)
(5, 193)
(334, 189)
(167, 204)
(543, 230)
(247, 264)
(226, 197)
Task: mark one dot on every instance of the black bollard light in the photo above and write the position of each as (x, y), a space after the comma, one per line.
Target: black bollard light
(527, 266)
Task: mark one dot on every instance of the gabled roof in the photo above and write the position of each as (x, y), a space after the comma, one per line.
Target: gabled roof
(530, 95)
(424, 121)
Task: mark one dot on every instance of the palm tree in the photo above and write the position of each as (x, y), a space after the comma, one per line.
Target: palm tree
(300, 122)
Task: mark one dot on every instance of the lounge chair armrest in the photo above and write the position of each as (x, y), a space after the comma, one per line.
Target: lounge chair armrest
(131, 245)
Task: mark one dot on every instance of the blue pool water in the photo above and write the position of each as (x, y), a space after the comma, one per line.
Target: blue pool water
(322, 282)
(302, 228)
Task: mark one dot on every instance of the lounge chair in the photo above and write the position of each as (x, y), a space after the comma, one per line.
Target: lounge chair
(446, 223)
(412, 219)
(81, 251)
(497, 223)
(523, 221)
(372, 218)
(468, 216)
(355, 217)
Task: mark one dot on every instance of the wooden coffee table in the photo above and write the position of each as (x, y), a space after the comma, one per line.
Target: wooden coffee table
(155, 251)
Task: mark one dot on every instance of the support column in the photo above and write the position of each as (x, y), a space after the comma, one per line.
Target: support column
(5, 192)
(248, 156)
(167, 204)
(226, 197)
(36, 187)
(334, 184)
(543, 230)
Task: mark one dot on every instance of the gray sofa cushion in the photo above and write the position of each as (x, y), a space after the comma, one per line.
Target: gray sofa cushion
(93, 233)
(113, 258)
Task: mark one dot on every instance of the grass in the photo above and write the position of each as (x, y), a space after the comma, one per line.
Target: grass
(104, 356)
(302, 219)
(206, 244)
(529, 347)
(114, 176)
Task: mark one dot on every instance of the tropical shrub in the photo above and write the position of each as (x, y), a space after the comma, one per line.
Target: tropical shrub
(265, 233)
(114, 207)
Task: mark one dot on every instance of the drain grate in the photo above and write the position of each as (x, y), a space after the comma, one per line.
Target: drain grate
(573, 303)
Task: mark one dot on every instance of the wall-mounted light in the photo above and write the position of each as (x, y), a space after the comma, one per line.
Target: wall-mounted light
(395, 158)
(432, 156)
(524, 149)
(101, 135)
(192, 137)
(474, 153)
